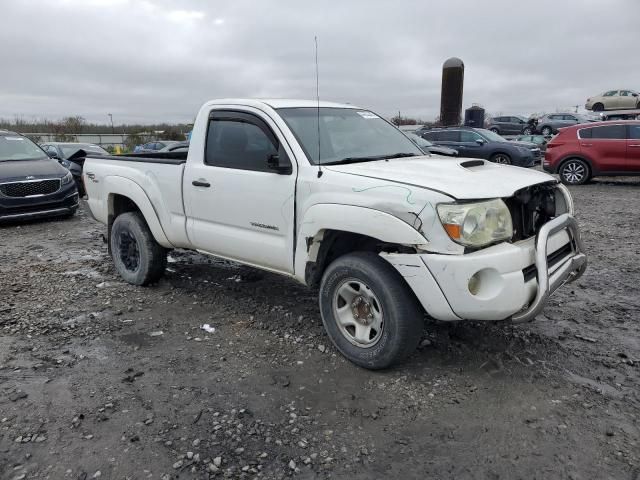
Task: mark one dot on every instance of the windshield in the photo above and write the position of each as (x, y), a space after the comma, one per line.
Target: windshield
(68, 150)
(16, 147)
(346, 135)
(489, 135)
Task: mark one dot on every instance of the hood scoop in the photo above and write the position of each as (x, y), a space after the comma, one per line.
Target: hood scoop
(472, 163)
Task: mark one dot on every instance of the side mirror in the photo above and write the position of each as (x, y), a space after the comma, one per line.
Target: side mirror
(634, 94)
(480, 141)
(278, 164)
(53, 155)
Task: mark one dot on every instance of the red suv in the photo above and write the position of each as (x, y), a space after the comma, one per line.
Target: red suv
(588, 150)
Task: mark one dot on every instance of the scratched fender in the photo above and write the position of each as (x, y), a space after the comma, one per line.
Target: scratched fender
(349, 218)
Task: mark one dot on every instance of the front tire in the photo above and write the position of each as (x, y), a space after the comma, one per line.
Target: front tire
(501, 158)
(598, 107)
(138, 258)
(574, 172)
(546, 131)
(368, 311)
(495, 130)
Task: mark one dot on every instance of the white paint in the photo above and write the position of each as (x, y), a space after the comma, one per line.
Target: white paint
(276, 222)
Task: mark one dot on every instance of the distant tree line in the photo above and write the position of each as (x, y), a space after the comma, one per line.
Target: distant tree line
(65, 128)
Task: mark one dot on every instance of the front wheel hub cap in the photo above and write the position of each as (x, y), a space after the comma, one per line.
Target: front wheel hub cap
(358, 313)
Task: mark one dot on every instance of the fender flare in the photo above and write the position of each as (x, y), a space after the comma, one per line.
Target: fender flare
(347, 218)
(117, 185)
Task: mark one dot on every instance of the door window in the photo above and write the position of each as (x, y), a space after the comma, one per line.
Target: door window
(241, 141)
(449, 136)
(469, 137)
(610, 93)
(609, 132)
(634, 132)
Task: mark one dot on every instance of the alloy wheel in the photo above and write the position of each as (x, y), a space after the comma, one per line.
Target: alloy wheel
(358, 313)
(574, 172)
(129, 251)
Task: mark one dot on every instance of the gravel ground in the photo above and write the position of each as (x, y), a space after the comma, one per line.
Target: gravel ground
(99, 379)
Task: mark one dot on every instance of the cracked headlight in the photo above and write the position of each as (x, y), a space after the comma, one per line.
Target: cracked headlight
(67, 179)
(476, 224)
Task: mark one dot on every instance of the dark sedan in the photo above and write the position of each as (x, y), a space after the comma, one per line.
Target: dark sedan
(32, 185)
(480, 143)
(72, 156)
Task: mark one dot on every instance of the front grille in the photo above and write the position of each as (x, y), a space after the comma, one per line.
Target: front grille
(28, 189)
(530, 208)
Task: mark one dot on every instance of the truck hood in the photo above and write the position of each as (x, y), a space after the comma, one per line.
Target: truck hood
(460, 178)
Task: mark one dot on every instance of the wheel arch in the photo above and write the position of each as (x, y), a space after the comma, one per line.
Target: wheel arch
(127, 196)
(329, 231)
(585, 159)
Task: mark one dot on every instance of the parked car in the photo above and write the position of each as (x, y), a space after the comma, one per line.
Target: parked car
(176, 147)
(427, 147)
(613, 100)
(71, 156)
(550, 123)
(481, 143)
(582, 152)
(512, 125)
(539, 140)
(155, 146)
(337, 198)
(620, 115)
(32, 185)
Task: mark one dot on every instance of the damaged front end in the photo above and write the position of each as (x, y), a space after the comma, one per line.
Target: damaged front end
(534, 206)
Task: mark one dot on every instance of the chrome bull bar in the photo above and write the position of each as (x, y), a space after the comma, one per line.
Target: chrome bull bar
(569, 271)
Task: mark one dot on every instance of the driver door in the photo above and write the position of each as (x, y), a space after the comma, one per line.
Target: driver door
(237, 205)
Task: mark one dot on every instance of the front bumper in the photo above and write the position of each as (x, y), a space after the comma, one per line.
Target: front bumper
(506, 281)
(62, 202)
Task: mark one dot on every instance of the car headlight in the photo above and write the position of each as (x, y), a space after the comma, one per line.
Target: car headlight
(523, 150)
(476, 224)
(67, 179)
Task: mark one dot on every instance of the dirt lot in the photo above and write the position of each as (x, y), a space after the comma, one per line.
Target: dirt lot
(99, 379)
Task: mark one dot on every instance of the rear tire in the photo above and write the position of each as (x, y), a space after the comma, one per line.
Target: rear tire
(501, 158)
(527, 131)
(138, 258)
(368, 311)
(574, 172)
(598, 107)
(546, 131)
(495, 130)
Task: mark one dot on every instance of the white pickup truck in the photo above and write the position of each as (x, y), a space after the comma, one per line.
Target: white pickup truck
(335, 197)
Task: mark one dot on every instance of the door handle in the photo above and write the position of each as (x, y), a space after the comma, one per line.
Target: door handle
(634, 146)
(198, 183)
(586, 144)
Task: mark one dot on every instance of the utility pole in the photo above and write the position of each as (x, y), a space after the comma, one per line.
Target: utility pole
(111, 118)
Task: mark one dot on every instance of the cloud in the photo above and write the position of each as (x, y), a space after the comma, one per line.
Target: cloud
(158, 60)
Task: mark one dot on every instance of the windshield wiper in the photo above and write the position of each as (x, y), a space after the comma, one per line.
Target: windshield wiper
(371, 158)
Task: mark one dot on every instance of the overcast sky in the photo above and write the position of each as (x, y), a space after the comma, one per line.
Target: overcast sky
(158, 60)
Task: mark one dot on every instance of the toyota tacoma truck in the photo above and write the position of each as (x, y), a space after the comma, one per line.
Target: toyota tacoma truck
(339, 199)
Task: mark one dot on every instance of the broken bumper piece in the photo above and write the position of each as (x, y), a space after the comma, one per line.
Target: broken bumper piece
(505, 281)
